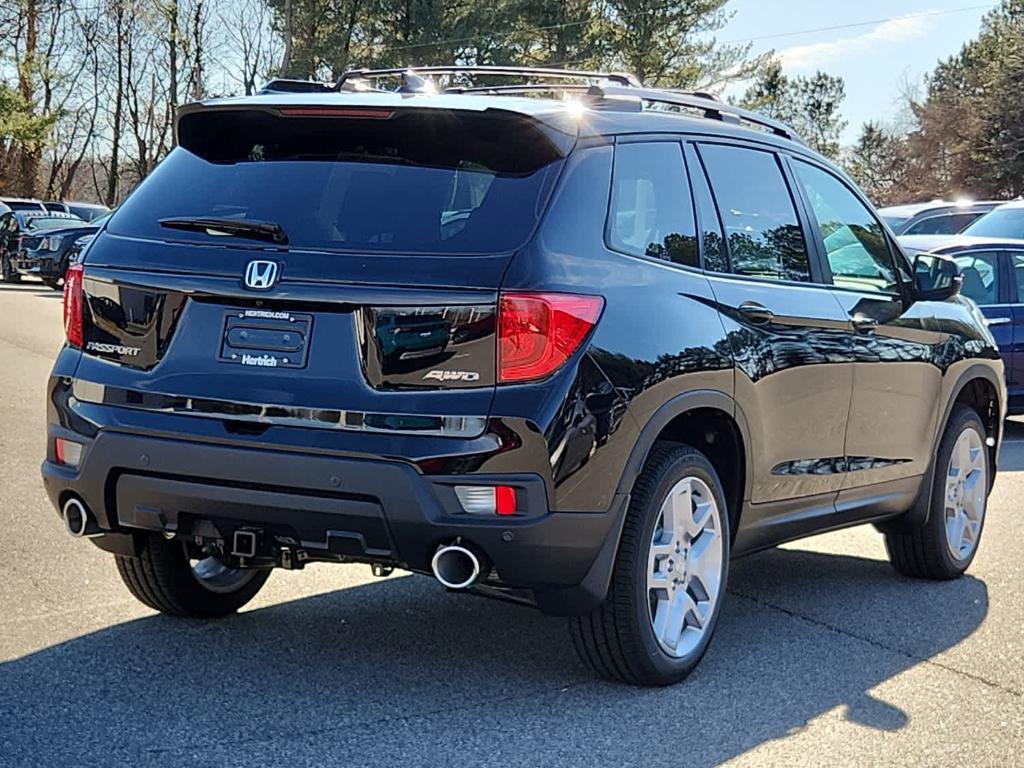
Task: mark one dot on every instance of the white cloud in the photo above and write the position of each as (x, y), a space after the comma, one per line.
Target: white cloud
(820, 55)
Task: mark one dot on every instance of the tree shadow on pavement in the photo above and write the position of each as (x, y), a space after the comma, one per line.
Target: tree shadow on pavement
(397, 672)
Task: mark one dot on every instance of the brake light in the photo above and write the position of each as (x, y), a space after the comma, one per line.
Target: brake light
(354, 112)
(73, 305)
(538, 332)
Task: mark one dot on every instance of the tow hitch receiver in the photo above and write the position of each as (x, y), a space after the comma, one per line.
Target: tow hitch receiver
(244, 543)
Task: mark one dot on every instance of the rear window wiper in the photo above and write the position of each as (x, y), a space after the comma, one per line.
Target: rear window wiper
(253, 229)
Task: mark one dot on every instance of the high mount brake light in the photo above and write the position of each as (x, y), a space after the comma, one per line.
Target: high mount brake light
(357, 112)
(74, 305)
(538, 332)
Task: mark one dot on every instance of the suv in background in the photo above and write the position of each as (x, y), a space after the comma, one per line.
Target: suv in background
(938, 217)
(23, 204)
(33, 229)
(47, 253)
(577, 342)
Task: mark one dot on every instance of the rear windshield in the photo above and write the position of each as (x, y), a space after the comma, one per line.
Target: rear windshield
(40, 223)
(422, 181)
(1002, 222)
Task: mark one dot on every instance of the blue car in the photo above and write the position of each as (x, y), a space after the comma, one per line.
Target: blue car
(993, 276)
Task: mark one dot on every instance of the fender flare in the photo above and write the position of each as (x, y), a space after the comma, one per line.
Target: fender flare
(918, 514)
(677, 406)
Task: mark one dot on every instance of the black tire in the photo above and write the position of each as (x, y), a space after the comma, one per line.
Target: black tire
(7, 270)
(162, 578)
(617, 640)
(56, 284)
(924, 553)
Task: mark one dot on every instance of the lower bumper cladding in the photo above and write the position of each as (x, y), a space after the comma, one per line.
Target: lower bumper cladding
(261, 508)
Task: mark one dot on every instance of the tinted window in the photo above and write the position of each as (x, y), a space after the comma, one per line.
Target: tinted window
(761, 226)
(1017, 261)
(651, 212)
(712, 243)
(933, 225)
(418, 181)
(1002, 222)
(896, 222)
(858, 253)
(980, 273)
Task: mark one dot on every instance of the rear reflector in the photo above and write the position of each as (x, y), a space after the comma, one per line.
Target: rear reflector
(487, 499)
(73, 305)
(67, 452)
(356, 112)
(538, 332)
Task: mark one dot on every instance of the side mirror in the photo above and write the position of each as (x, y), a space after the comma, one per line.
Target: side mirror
(936, 277)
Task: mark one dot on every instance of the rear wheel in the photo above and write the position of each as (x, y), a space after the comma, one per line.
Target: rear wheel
(166, 579)
(670, 574)
(944, 547)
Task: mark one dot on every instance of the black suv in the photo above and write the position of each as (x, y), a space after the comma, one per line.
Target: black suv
(575, 341)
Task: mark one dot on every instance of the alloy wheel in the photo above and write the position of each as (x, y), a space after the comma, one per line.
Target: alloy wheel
(684, 570)
(966, 494)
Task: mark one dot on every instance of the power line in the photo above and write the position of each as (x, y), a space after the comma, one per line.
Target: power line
(774, 36)
(855, 25)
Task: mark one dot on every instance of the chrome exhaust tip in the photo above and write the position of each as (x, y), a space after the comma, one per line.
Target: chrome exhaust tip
(76, 517)
(456, 566)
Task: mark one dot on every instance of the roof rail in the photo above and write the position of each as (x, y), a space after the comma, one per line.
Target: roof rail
(711, 109)
(619, 78)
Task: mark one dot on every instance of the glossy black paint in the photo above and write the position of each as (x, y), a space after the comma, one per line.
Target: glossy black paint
(828, 421)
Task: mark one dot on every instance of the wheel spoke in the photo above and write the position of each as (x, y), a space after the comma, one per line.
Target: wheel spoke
(684, 566)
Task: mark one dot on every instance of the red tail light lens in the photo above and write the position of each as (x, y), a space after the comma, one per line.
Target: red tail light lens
(73, 305)
(538, 332)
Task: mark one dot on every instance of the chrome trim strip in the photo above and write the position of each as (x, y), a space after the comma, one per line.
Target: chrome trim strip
(280, 415)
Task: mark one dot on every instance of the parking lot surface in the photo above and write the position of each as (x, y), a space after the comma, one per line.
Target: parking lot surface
(823, 655)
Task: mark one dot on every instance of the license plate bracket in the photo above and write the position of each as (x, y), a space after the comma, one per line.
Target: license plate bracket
(266, 339)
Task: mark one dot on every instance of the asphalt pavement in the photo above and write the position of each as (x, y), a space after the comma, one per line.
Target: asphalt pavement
(824, 656)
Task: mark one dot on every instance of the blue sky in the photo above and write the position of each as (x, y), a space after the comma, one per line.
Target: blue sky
(905, 41)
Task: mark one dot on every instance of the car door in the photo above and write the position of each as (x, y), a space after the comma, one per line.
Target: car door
(1015, 360)
(896, 385)
(790, 337)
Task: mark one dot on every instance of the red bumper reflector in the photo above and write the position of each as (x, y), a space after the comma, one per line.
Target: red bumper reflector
(505, 500)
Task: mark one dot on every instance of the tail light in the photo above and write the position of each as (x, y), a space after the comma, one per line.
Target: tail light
(538, 332)
(73, 305)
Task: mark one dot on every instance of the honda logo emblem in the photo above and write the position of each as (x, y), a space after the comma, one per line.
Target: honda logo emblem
(261, 275)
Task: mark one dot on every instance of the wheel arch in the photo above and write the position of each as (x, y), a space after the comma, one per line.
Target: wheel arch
(710, 421)
(980, 388)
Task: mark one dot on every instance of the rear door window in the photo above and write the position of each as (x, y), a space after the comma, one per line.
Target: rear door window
(980, 273)
(756, 208)
(651, 212)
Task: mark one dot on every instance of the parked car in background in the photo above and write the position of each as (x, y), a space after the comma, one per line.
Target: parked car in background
(1006, 221)
(993, 276)
(23, 204)
(84, 211)
(19, 227)
(47, 253)
(939, 217)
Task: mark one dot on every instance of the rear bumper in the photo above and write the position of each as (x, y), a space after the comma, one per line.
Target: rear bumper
(330, 507)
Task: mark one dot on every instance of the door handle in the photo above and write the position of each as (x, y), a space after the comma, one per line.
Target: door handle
(756, 313)
(997, 320)
(863, 323)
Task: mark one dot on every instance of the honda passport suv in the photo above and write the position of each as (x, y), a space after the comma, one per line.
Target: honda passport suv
(542, 335)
